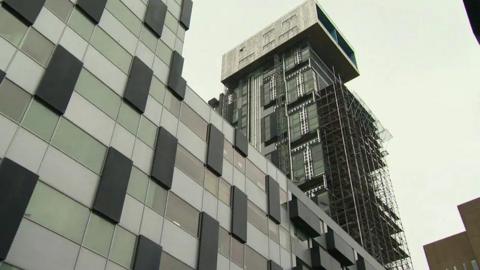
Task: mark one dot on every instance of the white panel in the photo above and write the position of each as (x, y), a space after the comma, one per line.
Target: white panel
(227, 171)
(192, 142)
(113, 266)
(123, 141)
(256, 195)
(272, 170)
(239, 179)
(224, 215)
(285, 258)
(187, 189)
(222, 263)
(197, 104)
(152, 225)
(90, 119)
(137, 7)
(216, 119)
(258, 159)
(274, 250)
(68, 176)
(257, 240)
(131, 214)
(142, 156)
(180, 244)
(6, 53)
(234, 266)
(27, 150)
(25, 72)
(210, 204)
(178, 45)
(101, 67)
(160, 70)
(118, 32)
(168, 37)
(7, 130)
(228, 131)
(169, 122)
(88, 260)
(49, 25)
(145, 54)
(153, 110)
(282, 180)
(33, 244)
(75, 44)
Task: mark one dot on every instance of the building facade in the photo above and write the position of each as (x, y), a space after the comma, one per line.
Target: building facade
(462, 250)
(285, 90)
(109, 161)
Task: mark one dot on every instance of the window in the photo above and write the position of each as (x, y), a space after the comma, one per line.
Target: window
(57, 212)
(257, 218)
(38, 47)
(128, 118)
(11, 28)
(13, 100)
(193, 121)
(255, 174)
(211, 182)
(81, 24)
(223, 243)
(254, 261)
(111, 49)
(125, 16)
(147, 132)
(189, 165)
(98, 235)
(137, 185)
(170, 263)
(295, 126)
(40, 120)
(312, 116)
(237, 252)
(182, 214)
(122, 247)
(156, 198)
(224, 192)
(317, 159)
(298, 166)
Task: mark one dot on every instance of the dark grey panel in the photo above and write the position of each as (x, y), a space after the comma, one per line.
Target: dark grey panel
(164, 158)
(273, 266)
(59, 80)
(176, 83)
(241, 142)
(25, 10)
(138, 85)
(16, 187)
(321, 259)
(304, 218)
(339, 248)
(147, 254)
(208, 243)
(2, 75)
(186, 13)
(273, 199)
(155, 16)
(92, 8)
(239, 214)
(113, 186)
(362, 264)
(215, 150)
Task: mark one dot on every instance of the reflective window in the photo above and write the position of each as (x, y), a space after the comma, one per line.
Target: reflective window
(182, 214)
(157, 90)
(193, 121)
(237, 252)
(255, 174)
(189, 165)
(79, 145)
(128, 118)
(57, 212)
(11, 28)
(81, 24)
(239, 161)
(172, 104)
(298, 166)
(147, 132)
(13, 100)
(211, 182)
(98, 235)
(137, 185)
(170, 263)
(122, 247)
(149, 39)
(111, 49)
(156, 198)
(61, 8)
(224, 191)
(224, 243)
(164, 52)
(254, 261)
(40, 120)
(257, 218)
(38, 47)
(98, 93)
(124, 15)
(228, 151)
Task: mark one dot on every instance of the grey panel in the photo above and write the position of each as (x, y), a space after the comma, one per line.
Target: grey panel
(208, 243)
(92, 8)
(113, 186)
(176, 83)
(16, 187)
(164, 158)
(59, 80)
(147, 254)
(322, 260)
(362, 264)
(241, 142)
(304, 218)
(339, 248)
(273, 199)
(138, 85)
(216, 140)
(273, 266)
(2, 75)
(239, 214)
(25, 10)
(155, 16)
(186, 13)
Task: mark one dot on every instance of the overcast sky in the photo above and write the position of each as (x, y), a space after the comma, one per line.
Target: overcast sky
(419, 72)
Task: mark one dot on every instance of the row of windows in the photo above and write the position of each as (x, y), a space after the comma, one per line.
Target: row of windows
(300, 83)
(303, 121)
(308, 162)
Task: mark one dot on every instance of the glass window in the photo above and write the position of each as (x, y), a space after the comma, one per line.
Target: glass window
(190, 165)
(308, 81)
(61, 8)
(11, 28)
(317, 159)
(172, 104)
(137, 185)
(111, 49)
(157, 90)
(156, 198)
(292, 88)
(147, 132)
(193, 121)
(57, 212)
(128, 118)
(99, 235)
(298, 166)
(170, 263)
(254, 261)
(148, 39)
(40, 120)
(38, 47)
(81, 25)
(125, 16)
(98, 93)
(182, 214)
(13, 100)
(257, 218)
(295, 126)
(237, 252)
(171, 22)
(122, 247)
(79, 145)
(224, 191)
(312, 117)
(239, 161)
(224, 243)
(228, 151)
(211, 182)
(164, 52)
(255, 174)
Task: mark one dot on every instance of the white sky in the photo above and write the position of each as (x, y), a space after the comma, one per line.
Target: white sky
(420, 69)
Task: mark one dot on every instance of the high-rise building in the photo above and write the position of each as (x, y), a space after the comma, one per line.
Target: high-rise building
(285, 91)
(109, 161)
(462, 250)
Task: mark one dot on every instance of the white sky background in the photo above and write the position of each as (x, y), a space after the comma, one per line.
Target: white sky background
(420, 69)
